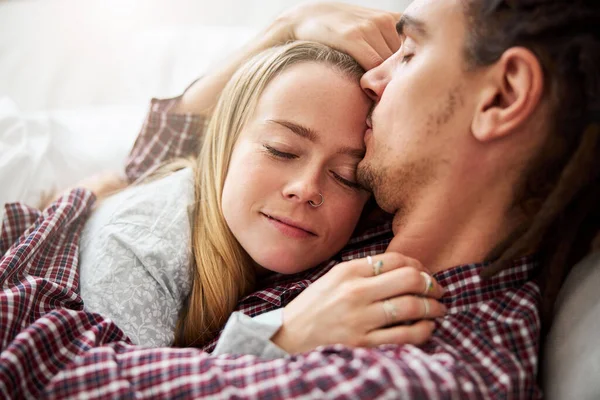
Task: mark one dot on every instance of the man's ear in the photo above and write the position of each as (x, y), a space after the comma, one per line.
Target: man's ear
(512, 92)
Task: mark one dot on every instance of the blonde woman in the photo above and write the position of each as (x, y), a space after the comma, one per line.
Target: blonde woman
(273, 190)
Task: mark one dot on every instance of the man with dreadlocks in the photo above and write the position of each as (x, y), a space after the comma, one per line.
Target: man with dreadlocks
(482, 144)
(485, 134)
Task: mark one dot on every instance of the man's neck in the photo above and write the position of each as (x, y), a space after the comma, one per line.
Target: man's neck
(460, 229)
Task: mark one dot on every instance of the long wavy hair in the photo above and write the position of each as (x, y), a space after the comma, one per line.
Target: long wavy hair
(221, 270)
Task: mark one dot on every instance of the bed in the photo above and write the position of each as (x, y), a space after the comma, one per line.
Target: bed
(76, 82)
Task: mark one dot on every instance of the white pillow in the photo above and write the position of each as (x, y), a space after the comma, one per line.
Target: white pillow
(572, 349)
(134, 257)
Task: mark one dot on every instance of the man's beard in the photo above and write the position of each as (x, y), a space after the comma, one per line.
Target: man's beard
(396, 191)
(374, 179)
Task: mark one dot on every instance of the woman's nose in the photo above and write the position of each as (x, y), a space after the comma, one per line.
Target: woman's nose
(304, 188)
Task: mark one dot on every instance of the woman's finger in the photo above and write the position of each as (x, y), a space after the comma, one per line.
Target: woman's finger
(403, 309)
(379, 264)
(403, 281)
(415, 334)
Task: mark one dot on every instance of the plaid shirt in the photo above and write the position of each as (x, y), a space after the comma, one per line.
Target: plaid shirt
(486, 347)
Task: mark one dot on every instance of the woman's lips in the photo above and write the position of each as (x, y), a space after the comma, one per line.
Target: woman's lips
(289, 228)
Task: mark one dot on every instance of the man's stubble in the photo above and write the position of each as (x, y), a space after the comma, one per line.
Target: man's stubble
(396, 185)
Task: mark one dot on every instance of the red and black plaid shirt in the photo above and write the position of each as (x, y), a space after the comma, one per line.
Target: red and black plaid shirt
(486, 347)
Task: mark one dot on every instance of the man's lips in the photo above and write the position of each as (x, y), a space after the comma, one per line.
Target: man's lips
(290, 223)
(368, 134)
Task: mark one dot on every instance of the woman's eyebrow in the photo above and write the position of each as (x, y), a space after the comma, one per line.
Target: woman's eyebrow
(299, 130)
(313, 136)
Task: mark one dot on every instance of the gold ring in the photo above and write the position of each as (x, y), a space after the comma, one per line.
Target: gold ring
(428, 283)
(391, 313)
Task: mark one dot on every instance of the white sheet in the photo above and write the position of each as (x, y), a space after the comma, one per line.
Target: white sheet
(52, 150)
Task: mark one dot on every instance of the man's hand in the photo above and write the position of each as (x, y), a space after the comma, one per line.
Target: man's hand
(352, 306)
(366, 34)
(104, 184)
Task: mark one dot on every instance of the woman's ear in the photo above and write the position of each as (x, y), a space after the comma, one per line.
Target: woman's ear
(512, 92)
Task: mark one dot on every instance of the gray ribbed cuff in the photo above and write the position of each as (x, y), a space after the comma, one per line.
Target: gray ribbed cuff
(246, 335)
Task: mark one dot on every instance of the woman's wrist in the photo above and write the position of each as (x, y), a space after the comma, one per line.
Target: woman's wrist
(281, 339)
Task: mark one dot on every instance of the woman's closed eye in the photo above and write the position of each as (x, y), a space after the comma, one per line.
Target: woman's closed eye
(273, 152)
(346, 182)
(279, 154)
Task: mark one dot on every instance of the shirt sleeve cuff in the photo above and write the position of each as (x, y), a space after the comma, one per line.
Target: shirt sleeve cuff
(245, 335)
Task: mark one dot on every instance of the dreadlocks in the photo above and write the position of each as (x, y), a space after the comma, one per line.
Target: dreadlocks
(560, 191)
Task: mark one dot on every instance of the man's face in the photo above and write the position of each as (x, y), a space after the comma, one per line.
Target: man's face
(424, 107)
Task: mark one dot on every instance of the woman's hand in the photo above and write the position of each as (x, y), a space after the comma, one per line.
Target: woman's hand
(353, 306)
(366, 34)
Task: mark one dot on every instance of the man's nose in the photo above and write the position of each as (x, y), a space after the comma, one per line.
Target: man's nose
(374, 81)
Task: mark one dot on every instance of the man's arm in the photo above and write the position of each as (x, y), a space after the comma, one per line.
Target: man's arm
(119, 370)
(52, 347)
(366, 34)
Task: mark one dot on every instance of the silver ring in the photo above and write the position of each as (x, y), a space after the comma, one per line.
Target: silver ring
(376, 267)
(391, 313)
(428, 283)
(426, 304)
(315, 205)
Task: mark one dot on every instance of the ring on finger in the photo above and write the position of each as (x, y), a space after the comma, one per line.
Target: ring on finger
(426, 306)
(391, 313)
(376, 266)
(428, 283)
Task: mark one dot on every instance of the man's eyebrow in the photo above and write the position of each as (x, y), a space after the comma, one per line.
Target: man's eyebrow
(311, 135)
(411, 24)
(299, 130)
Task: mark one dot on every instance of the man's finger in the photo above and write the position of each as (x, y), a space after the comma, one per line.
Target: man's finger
(377, 41)
(391, 37)
(365, 55)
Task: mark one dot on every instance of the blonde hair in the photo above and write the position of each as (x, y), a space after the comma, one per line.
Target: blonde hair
(221, 270)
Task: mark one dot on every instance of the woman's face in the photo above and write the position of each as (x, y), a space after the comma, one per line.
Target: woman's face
(305, 140)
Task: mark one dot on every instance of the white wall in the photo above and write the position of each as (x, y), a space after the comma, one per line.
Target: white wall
(156, 12)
